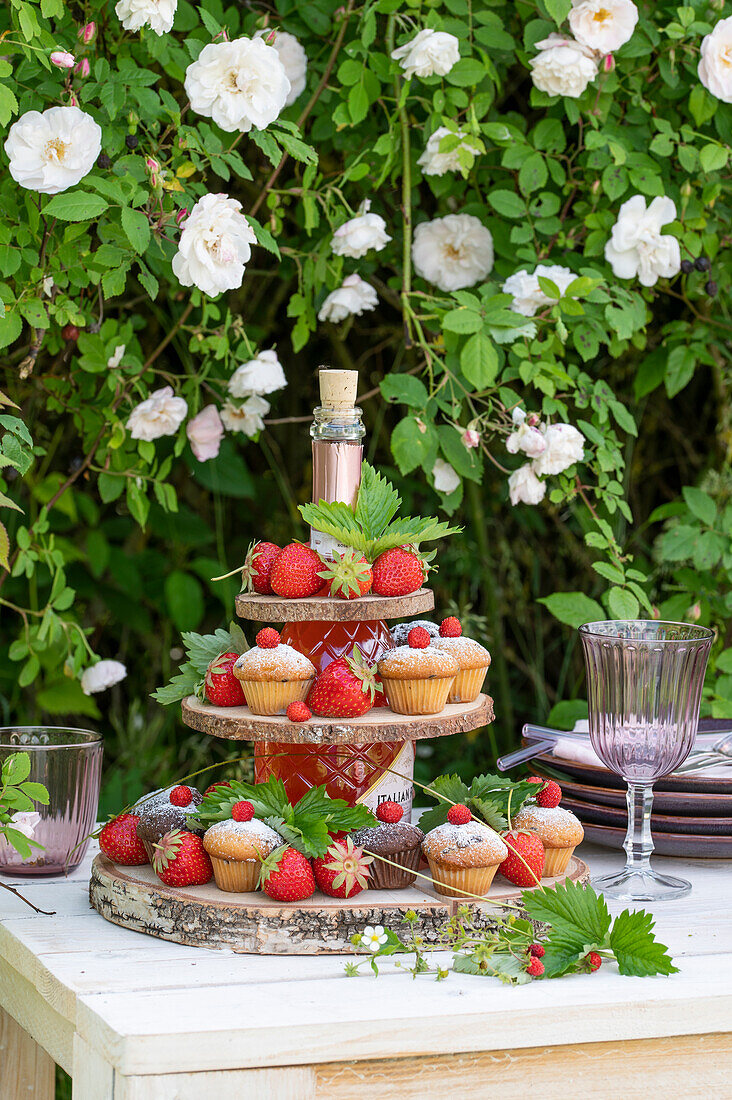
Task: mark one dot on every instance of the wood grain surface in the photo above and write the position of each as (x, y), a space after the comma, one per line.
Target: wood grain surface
(272, 609)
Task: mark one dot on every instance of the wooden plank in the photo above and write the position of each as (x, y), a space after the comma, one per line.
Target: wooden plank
(273, 609)
(27, 1072)
(289, 1083)
(381, 724)
(31, 1011)
(93, 1077)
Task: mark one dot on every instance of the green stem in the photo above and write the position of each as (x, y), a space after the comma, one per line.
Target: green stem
(406, 188)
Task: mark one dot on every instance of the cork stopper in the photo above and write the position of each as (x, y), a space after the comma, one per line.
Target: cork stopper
(338, 388)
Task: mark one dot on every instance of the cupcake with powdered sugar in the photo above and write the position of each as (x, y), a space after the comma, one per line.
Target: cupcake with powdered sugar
(273, 675)
(473, 658)
(237, 847)
(463, 854)
(400, 632)
(417, 677)
(165, 811)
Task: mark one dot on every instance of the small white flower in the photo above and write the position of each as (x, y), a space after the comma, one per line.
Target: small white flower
(518, 415)
(214, 246)
(528, 296)
(528, 440)
(115, 359)
(603, 25)
(715, 66)
(52, 151)
(471, 438)
(434, 163)
(158, 15)
(562, 66)
(205, 432)
(637, 247)
(102, 675)
(444, 477)
(430, 53)
(240, 84)
(564, 447)
(360, 234)
(263, 374)
(293, 58)
(373, 938)
(524, 486)
(48, 285)
(452, 252)
(161, 414)
(25, 822)
(353, 297)
(246, 418)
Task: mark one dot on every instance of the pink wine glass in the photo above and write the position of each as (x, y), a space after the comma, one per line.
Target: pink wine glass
(644, 683)
(69, 763)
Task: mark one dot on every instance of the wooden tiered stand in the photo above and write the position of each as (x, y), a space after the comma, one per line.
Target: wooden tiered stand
(205, 916)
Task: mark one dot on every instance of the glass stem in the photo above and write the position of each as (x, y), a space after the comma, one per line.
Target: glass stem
(638, 842)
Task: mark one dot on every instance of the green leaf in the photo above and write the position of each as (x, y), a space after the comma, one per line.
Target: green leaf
(36, 791)
(700, 504)
(8, 104)
(16, 768)
(702, 104)
(377, 502)
(679, 369)
(180, 687)
(573, 608)
(622, 604)
(507, 203)
(571, 909)
(413, 443)
(404, 389)
(533, 175)
(635, 947)
(184, 599)
(466, 73)
(462, 321)
(506, 967)
(137, 228)
(202, 649)
(75, 206)
(558, 10)
(479, 361)
(453, 789)
(713, 157)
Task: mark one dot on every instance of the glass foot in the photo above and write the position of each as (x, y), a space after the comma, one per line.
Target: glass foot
(646, 885)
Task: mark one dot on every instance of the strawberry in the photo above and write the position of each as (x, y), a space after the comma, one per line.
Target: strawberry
(450, 627)
(397, 572)
(523, 849)
(295, 572)
(222, 687)
(349, 575)
(181, 860)
(593, 961)
(343, 871)
(242, 811)
(181, 796)
(535, 967)
(389, 811)
(286, 875)
(299, 712)
(119, 840)
(215, 787)
(459, 814)
(550, 793)
(255, 573)
(418, 638)
(267, 638)
(345, 689)
(536, 949)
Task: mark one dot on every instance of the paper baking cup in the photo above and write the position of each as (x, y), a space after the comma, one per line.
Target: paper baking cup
(273, 696)
(556, 861)
(148, 846)
(418, 696)
(236, 876)
(382, 876)
(451, 880)
(468, 683)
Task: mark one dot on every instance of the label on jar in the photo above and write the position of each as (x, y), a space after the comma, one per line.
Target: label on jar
(325, 544)
(394, 788)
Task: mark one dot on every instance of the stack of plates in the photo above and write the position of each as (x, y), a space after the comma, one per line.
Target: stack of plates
(692, 814)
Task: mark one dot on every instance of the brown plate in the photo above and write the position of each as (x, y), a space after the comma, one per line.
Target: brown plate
(666, 844)
(676, 803)
(595, 775)
(592, 814)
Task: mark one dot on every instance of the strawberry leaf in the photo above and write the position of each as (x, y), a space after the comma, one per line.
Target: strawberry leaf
(180, 687)
(563, 952)
(635, 947)
(570, 909)
(377, 502)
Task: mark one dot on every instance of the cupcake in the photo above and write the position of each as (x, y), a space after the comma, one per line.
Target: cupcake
(463, 855)
(273, 675)
(417, 677)
(559, 830)
(163, 811)
(237, 847)
(400, 633)
(474, 661)
(395, 839)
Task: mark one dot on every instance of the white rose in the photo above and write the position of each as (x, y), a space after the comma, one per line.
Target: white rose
(603, 25)
(528, 440)
(562, 66)
(52, 151)
(637, 246)
(434, 163)
(715, 66)
(214, 246)
(158, 15)
(524, 486)
(240, 84)
(102, 675)
(564, 447)
(161, 414)
(246, 418)
(205, 432)
(360, 234)
(528, 296)
(431, 53)
(264, 374)
(116, 358)
(25, 822)
(452, 252)
(353, 297)
(444, 477)
(293, 58)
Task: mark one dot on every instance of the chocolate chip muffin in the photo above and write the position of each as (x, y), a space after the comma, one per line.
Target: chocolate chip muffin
(162, 811)
(395, 839)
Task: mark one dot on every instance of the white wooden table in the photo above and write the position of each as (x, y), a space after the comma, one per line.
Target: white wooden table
(133, 1018)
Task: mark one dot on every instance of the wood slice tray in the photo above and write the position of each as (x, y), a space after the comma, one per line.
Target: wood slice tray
(272, 609)
(203, 916)
(381, 724)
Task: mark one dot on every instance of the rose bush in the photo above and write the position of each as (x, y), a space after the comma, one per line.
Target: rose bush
(512, 219)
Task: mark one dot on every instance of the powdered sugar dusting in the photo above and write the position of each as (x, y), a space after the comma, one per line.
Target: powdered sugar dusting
(280, 663)
(400, 633)
(466, 651)
(448, 839)
(405, 661)
(254, 828)
(558, 828)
